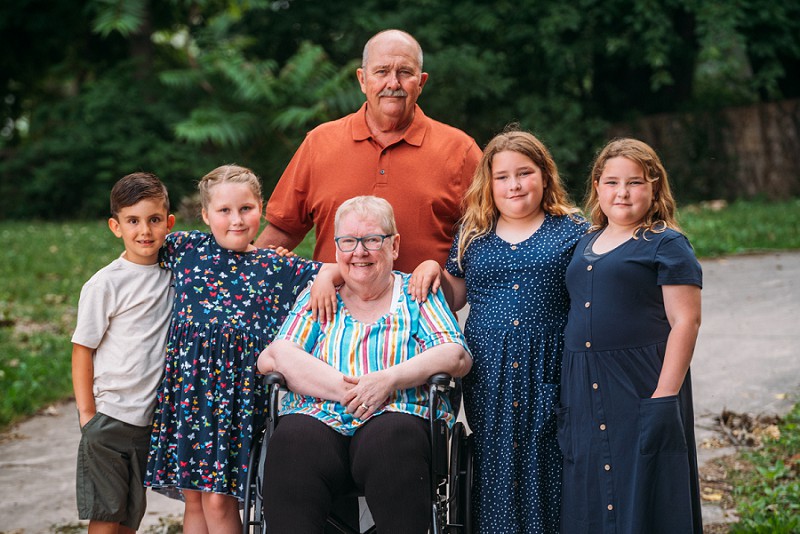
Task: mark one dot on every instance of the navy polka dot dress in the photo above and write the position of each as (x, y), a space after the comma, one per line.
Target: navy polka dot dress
(515, 330)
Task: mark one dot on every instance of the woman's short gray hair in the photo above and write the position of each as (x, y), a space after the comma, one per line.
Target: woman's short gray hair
(368, 207)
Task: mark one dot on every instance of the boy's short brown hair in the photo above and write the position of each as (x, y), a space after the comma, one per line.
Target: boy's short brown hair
(136, 187)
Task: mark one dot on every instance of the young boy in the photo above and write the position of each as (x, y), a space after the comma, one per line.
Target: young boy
(118, 358)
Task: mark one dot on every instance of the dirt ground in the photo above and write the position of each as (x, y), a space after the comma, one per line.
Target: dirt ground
(745, 362)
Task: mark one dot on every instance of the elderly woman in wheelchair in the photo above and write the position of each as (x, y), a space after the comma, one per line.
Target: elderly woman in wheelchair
(355, 416)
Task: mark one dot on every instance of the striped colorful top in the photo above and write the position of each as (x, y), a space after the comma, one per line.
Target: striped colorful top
(355, 349)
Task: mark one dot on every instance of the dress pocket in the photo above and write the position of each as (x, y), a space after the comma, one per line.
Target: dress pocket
(661, 426)
(564, 433)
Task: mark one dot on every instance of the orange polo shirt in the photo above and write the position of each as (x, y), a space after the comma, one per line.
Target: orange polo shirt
(423, 176)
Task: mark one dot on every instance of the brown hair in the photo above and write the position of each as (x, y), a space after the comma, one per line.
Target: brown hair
(480, 211)
(135, 187)
(661, 214)
(228, 174)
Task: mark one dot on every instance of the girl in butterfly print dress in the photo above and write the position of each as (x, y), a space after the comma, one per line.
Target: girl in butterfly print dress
(230, 299)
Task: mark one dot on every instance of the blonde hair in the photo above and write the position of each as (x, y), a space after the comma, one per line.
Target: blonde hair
(228, 174)
(661, 214)
(480, 210)
(368, 207)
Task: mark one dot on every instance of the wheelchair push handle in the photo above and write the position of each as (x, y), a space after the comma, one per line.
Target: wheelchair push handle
(274, 377)
(440, 379)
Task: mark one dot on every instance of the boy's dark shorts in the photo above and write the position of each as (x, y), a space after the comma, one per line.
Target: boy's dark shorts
(112, 458)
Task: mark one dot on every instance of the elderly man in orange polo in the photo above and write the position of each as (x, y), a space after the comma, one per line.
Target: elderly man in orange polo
(389, 148)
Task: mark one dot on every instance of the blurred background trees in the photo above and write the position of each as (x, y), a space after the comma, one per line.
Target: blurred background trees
(95, 89)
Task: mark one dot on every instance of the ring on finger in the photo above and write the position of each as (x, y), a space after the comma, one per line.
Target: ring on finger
(366, 408)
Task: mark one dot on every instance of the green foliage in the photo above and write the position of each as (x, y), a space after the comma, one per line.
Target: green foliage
(768, 497)
(93, 90)
(123, 16)
(79, 147)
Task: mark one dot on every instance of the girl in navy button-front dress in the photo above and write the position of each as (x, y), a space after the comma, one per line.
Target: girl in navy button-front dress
(508, 262)
(230, 300)
(626, 425)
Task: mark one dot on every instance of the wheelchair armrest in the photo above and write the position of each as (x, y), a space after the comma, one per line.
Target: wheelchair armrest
(275, 378)
(440, 379)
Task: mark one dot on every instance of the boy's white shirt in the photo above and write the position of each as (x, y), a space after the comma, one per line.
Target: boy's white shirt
(124, 314)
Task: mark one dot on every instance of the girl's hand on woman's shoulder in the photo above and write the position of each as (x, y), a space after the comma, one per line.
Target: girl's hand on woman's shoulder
(426, 278)
(282, 252)
(322, 296)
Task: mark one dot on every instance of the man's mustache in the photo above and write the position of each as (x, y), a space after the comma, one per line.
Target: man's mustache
(390, 93)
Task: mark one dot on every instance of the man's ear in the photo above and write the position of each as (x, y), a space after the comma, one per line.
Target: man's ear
(423, 77)
(361, 81)
(113, 225)
(170, 222)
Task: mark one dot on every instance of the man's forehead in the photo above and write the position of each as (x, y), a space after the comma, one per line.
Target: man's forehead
(394, 50)
(393, 62)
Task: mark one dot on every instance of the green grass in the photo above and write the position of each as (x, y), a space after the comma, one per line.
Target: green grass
(768, 495)
(42, 270)
(742, 227)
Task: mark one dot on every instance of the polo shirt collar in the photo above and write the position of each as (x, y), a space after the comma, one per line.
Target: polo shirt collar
(413, 135)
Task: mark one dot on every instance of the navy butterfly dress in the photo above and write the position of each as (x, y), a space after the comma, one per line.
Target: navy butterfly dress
(228, 307)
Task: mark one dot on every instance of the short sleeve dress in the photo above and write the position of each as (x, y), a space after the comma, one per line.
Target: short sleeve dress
(515, 330)
(228, 307)
(630, 464)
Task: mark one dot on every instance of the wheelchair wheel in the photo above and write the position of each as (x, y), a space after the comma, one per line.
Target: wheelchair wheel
(460, 509)
(253, 513)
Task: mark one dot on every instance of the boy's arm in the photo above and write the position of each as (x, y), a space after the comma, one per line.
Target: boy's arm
(83, 382)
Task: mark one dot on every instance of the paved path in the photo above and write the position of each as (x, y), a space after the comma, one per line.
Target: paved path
(746, 360)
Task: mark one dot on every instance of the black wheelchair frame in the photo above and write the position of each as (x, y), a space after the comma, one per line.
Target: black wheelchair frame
(451, 465)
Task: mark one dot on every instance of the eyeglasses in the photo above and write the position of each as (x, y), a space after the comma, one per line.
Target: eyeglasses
(348, 243)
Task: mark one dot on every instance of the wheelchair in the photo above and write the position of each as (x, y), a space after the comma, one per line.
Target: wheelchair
(451, 465)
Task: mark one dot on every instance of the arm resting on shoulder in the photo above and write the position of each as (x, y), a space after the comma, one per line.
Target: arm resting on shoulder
(323, 292)
(305, 374)
(682, 304)
(272, 236)
(83, 382)
(429, 277)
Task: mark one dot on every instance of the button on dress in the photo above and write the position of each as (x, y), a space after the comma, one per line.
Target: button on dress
(518, 308)
(630, 463)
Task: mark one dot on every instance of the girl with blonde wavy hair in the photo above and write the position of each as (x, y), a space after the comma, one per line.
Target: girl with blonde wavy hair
(626, 425)
(661, 213)
(508, 262)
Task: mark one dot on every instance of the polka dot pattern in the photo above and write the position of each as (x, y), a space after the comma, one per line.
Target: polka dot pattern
(518, 309)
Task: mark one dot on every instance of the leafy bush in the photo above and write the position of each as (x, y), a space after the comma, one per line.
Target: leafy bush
(78, 147)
